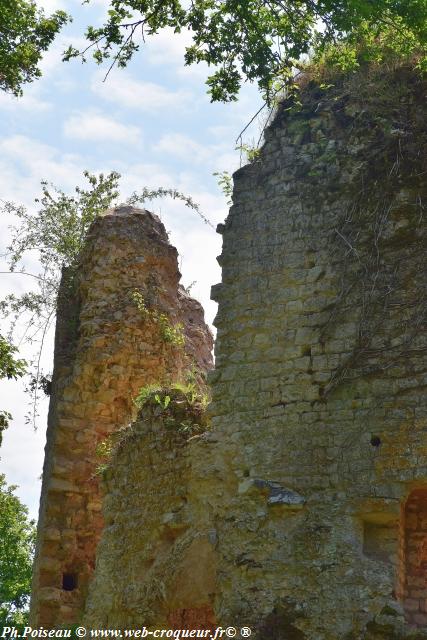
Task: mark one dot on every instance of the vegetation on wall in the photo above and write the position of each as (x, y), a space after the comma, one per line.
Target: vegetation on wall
(181, 406)
(169, 332)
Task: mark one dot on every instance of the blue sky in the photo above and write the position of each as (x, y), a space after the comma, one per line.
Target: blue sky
(153, 123)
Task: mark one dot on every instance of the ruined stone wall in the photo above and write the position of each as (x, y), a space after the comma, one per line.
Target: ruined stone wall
(301, 512)
(108, 345)
(319, 392)
(156, 561)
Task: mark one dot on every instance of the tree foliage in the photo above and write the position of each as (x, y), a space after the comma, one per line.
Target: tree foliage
(25, 34)
(256, 40)
(17, 538)
(59, 227)
(10, 367)
(55, 233)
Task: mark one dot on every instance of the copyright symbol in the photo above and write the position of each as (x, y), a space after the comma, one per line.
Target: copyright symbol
(80, 632)
(230, 632)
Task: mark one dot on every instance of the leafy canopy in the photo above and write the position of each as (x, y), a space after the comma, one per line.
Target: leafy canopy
(25, 33)
(17, 537)
(10, 367)
(255, 40)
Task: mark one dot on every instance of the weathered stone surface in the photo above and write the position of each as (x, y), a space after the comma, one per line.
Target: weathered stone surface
(302, 512)
(106, 349)
(321, 367)
(156, 561)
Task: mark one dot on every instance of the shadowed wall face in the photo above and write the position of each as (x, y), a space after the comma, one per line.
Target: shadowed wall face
(156, 563)
(114, 313)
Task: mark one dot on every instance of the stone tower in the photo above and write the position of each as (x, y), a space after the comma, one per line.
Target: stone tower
(121, 320)
(319, 393)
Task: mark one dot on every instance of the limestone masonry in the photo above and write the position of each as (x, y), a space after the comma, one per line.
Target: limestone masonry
(106, 349)
(301, 510)
(320, 382)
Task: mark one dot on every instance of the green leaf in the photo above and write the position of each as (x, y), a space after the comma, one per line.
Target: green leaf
(25, 34)
(17, 539)
(261, 41)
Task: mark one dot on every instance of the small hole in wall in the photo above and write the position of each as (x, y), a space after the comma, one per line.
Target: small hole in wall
(246, 473)
(375, 441)
(69, 581)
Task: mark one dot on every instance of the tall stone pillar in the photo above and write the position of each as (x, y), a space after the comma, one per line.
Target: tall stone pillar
(118, 329)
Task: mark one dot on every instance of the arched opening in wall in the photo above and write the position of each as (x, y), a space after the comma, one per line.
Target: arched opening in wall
(413, 558)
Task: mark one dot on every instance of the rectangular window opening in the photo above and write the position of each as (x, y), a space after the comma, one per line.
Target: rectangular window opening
(69, 581)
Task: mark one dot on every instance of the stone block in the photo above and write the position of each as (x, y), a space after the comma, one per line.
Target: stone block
(49, 595)
(420, 619)
(52, 534)
(61, 485)
(51, 564)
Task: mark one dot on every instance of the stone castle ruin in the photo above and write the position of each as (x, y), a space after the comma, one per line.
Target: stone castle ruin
(298, 506)
(106, 349)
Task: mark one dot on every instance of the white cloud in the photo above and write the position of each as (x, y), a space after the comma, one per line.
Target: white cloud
(122, 89)
(71, 6)
(51, 5)
(198, 73)
(198, 247)
(22, 448)
(167, 47)
(100, 3)
(51, 63)
(183, 147)
(145, 174)
(28, 102)
(100, 128)
(24, 161)
(216, 157)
